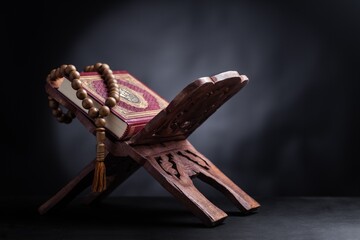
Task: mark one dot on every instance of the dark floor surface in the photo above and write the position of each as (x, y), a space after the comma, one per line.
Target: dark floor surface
(165, 218)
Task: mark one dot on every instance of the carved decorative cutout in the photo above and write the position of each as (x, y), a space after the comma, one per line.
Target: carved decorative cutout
(190, 108)
(187, 154)
(167, 163)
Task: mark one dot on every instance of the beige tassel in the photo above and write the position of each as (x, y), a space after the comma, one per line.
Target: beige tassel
(99, 181)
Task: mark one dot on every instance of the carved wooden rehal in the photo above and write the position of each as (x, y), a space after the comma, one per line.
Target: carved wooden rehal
(163, 150)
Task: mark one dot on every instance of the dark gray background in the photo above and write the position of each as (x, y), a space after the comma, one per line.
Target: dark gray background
(293, 130)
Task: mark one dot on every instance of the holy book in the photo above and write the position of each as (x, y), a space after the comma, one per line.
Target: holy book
(137, 106)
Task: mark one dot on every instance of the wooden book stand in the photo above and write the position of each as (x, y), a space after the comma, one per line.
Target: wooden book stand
(162, 149)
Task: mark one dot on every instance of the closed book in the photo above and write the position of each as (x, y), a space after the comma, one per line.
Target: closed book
(137, 106)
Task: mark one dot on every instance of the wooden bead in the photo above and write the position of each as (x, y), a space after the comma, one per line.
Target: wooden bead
(113, 91)
(76, 84)
(69, 68)
(104, 111)
(67, 119)
(100, 122)
(53, 75)
(93, 112)
(53, 104)
(104, 67)
(111, 81)
(113, 85)
(74, 75)
(107, 72)
(88, 68)
(58, 73)
(108, 76)
(87, 103)
(81, 94)
(61, 118)
(70, 114)
(114, 94)
(97, 66)
(57, 112)
(62, 69)
(110, 102)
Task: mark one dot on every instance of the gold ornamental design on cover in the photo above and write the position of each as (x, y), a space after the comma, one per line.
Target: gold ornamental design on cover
(136, 99)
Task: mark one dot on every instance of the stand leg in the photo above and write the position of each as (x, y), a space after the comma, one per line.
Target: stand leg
(172, 175)
(222, 183)
(70, 190)
(173, 164)
(118, 170)
(209, 173)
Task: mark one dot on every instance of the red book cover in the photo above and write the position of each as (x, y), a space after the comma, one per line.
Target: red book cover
(137, 106)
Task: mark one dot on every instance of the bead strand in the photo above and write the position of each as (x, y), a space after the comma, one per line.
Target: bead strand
(58, 113)
(113, 98)
(55, 76)
(99, 181)
(69, 71)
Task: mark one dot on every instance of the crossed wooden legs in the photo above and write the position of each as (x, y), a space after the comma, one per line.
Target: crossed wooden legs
(178, 162)
(173, 165)
(118, 170)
